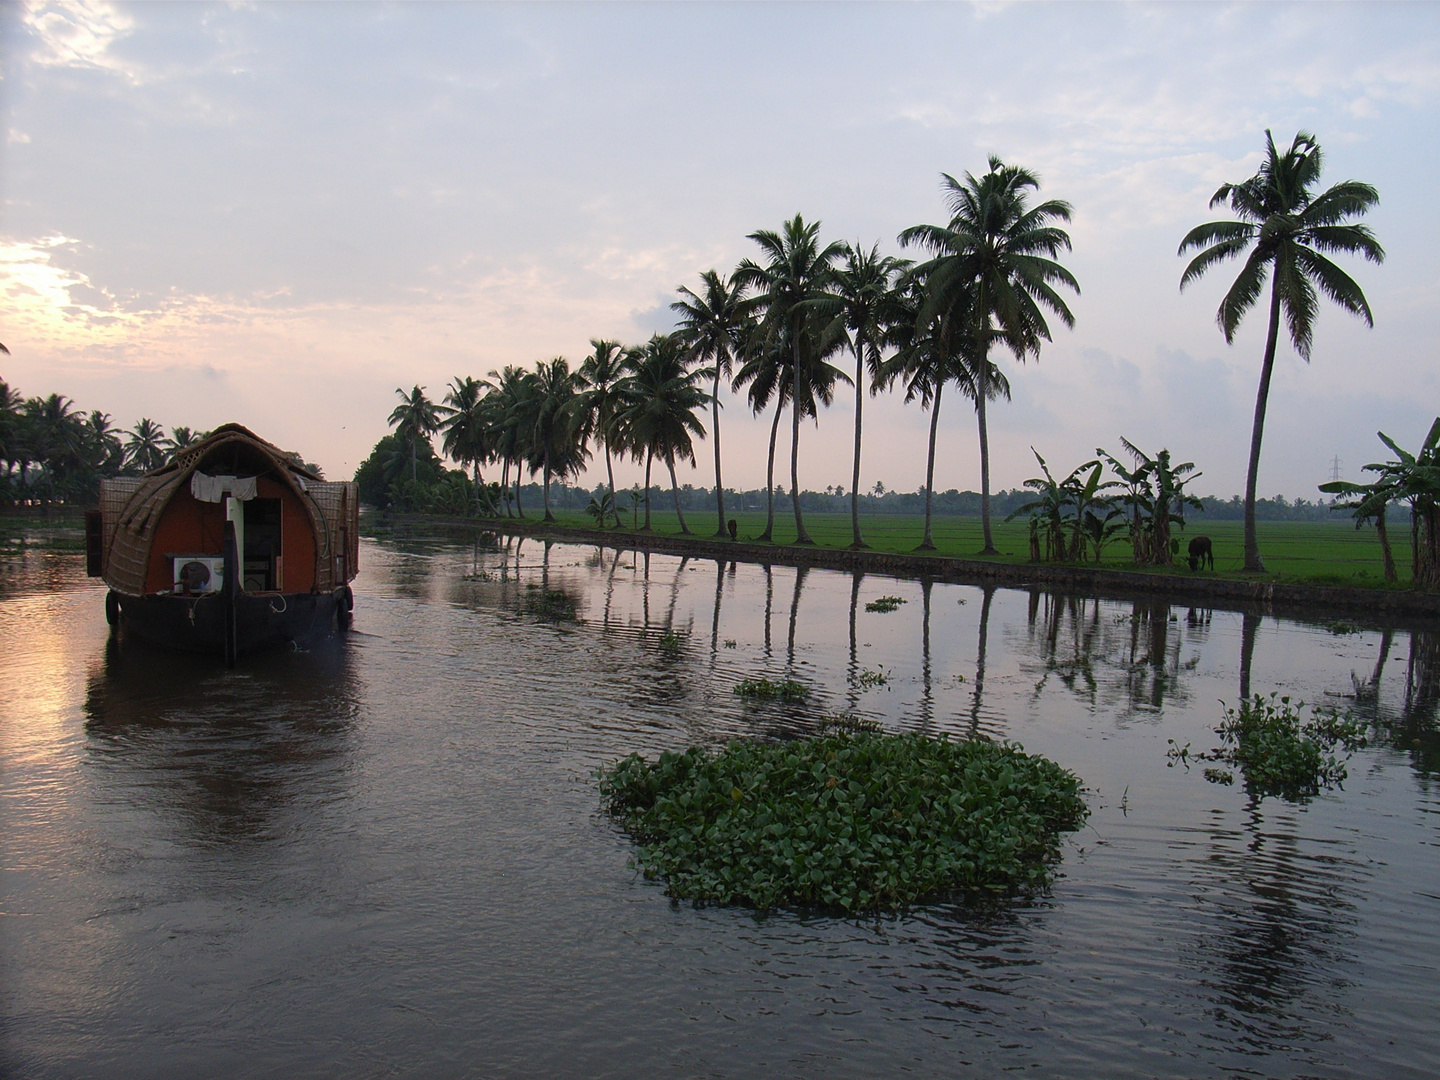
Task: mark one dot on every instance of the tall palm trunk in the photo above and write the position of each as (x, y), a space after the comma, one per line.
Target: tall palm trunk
(1253, 562)
(989, 548)
(720, 531)
(614, 498)
(519, 510)
(648, 458)
(769, 534)
(548, 515)
(801, 536)
(856, 541)
(675, 491)
(928, 544)
(414, 460)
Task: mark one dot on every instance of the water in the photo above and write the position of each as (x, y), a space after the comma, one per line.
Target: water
(386, 857)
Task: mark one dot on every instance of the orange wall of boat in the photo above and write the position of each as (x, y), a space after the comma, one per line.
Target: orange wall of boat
(192, 527)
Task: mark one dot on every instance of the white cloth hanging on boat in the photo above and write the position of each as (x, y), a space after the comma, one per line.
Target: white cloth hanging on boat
(213, 489)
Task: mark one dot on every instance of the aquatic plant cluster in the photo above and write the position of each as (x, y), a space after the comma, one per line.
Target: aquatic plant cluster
(851, 820)
(1278, 752)
(763, 689)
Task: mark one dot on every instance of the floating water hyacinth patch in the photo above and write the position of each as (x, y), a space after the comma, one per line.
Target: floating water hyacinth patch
(1276, 751)
(885, 604)
(868, 678)
(850, 820)
(551, 604)
(772, 690)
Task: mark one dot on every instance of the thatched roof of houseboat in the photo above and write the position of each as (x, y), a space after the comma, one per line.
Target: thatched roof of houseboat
(133, 506)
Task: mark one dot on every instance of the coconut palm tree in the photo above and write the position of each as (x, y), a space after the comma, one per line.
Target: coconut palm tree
(508, 407)
(10, 405)
(416, 418)
(797, 273)
(548, 412)
(181, 437)
(103, 447)
(861, 302)
(599, 403)
(1292, 231)
(766, 371)
(993, 269)
(715, 326)
(929, 355)
(467, 438)
(145, 446)
(662, 394)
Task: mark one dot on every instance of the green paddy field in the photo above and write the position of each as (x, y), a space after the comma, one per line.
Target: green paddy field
(1314, 552)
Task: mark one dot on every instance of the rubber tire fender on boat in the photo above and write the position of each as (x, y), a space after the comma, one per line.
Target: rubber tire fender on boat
(112, 608)
(344, 607)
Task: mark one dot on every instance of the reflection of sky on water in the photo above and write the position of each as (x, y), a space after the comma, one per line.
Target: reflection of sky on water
(387, 854)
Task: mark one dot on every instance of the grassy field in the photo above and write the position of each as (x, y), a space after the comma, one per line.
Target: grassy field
(1314, 552)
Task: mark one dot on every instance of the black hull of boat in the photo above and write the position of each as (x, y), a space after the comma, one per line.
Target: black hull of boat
(261, 621)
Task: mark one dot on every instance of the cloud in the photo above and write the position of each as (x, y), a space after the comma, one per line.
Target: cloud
(79, 35)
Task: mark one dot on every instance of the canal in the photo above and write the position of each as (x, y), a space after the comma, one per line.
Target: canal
(387, 856)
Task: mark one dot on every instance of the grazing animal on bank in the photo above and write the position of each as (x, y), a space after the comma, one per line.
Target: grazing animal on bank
(734, 527)
(1201, 553)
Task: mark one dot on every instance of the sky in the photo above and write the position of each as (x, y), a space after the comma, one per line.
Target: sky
(281, 213)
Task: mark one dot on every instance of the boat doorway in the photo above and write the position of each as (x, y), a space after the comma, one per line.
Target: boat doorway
(264, 565)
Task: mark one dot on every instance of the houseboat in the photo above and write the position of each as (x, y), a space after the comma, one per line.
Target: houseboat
(231, 546)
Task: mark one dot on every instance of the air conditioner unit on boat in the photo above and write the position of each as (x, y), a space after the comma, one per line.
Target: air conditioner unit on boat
(198, 574)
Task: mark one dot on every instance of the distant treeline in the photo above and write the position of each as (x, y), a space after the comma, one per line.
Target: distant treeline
(444, 491)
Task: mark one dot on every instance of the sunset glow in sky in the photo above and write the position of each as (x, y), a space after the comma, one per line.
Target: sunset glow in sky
(278, 214)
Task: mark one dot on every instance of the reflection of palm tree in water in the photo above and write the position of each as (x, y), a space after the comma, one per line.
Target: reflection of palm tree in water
(1283, 917)
(852, 673)
(800, 572)
(1249, 624)
(769, 603)
(978, 694)
(675, 594)
(1075, 640)
(715, 615)
(927, 698)
(1416, 732)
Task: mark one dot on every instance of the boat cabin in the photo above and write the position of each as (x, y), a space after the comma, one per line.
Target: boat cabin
(288, 532)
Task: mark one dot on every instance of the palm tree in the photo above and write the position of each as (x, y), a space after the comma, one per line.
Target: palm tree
(414, 419)
(1292, 231)
(467, 437)
(10, 405)
(930, 354)
(599, 403)
(554, 448)
(797, 273)
(861, 302)
(103, 447)
(662, 393)
(182, 437)
(767, 373)
(508, 407)
(716, 327)
(145, 446)
(993, 269)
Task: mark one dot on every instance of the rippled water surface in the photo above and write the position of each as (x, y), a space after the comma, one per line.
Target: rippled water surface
(386, 857)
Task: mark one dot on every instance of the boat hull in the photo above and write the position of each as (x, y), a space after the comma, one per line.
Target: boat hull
(261, 621)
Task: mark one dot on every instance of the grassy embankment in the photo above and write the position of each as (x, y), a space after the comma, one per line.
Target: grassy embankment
(1303, 552)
